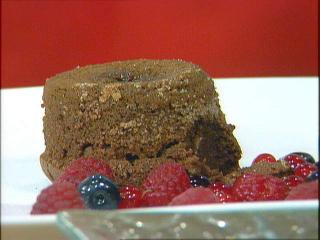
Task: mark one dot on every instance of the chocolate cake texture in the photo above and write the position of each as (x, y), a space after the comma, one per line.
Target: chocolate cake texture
(136, 115)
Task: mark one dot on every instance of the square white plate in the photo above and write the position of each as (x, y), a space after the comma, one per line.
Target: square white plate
(274, 115)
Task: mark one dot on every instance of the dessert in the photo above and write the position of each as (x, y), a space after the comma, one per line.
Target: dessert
(169, 184)
(146, 133)
(136, 115)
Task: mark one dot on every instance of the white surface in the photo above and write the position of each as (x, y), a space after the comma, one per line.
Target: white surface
(275, 115)
(21, 145)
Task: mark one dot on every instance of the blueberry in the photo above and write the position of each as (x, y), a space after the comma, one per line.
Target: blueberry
(198, 180)
(313, 176)
(99, 192)
(306, 156)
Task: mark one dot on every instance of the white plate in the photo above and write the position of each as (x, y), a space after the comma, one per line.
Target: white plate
(275, 115)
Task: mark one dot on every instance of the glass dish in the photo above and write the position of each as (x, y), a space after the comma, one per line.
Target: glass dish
(255, 220)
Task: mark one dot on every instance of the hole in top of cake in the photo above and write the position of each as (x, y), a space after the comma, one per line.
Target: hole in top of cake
(125, 77)
(166, 146)
(128, 74)
(131, 157)
(118, 76)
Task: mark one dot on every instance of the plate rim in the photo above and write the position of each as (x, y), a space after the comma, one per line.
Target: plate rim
(296, 205)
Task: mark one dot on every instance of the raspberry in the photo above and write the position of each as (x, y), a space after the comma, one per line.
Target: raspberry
(294, 160)
(305, 156)
(131, 197)
(219, 186)
(223, 192)
(198, 195)
(264, 157)
(256, 187)
(57, 197)
(164, 183)
(292, 180)
(81, 168)
(225, 196)
(304, 170)
(308, 190)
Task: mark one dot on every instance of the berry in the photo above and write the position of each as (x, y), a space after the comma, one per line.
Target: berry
(131, 197)
(304, 170)
(305, 156)
(256, 187)
(292, 180)
(82, 168)
(199, 181)
(225, 196)
(308, 190)
(223, 192)
(313, 176)
(264, 157)
(219, 186)
(199, 195)
(164, 183)
(294, 160)
(57, 197)
(99, 192)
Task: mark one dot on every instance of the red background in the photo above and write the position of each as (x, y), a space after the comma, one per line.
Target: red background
(228, 38)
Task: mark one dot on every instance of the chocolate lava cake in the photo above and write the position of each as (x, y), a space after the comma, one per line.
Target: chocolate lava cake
(136, 115)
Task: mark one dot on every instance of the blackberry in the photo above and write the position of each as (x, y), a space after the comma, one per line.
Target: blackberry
(99, 192)
(199, 181)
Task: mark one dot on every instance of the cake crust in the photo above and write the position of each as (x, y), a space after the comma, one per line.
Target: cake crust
(136, 115)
